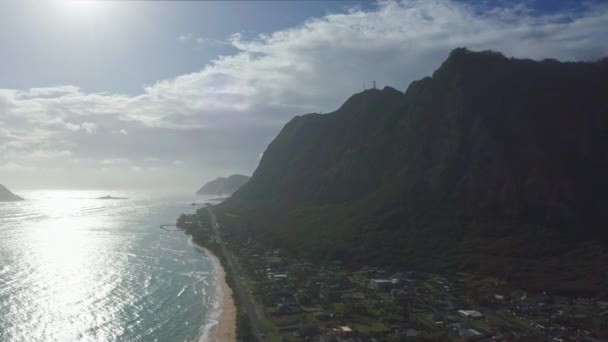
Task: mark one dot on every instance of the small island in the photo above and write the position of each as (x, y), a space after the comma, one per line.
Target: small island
(111, 198)
(7, 196)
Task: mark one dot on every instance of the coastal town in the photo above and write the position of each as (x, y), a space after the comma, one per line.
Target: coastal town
(298, 300)
(305, 302)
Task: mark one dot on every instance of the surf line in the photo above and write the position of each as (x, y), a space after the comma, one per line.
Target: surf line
(164, 226)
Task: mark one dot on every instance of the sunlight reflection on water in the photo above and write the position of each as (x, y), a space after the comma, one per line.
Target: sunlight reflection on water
(74, 268)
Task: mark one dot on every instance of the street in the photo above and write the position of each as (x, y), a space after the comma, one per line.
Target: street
(240, 288)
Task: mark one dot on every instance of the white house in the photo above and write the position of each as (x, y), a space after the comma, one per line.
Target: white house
(471, 314)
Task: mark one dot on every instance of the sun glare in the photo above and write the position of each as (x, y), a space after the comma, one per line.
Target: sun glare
(79, 7)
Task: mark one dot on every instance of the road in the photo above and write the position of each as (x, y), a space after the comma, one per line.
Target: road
(241, 290)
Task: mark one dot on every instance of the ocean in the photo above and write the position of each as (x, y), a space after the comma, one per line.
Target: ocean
(75, 268)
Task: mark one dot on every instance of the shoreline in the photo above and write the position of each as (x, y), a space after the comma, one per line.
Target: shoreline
(224, 328)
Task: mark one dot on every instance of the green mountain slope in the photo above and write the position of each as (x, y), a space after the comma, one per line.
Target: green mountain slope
(492, 164)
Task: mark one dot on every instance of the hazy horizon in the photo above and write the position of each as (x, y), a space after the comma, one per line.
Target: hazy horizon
(138, 95)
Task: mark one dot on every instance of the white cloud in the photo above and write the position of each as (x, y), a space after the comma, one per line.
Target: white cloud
(51, 91)
(72, 127)
(315, 66)
(13, 167)
(224, 114)
(88, 127)
(46, 154)
(200, 42)
(185, 37)
(20, 162)
(116, 161)
(120, 131)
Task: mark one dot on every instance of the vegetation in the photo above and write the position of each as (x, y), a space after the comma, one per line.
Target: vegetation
(492, 165)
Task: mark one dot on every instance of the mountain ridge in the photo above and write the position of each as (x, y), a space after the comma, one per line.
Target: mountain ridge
(498, 154)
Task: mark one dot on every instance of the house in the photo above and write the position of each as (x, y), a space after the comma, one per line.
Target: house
(603, 305)
(411, 335)
(562, 300)
(454, 326)
(380, 284)
(471, 334)
(471, 314)
(444, 305)
(323, 316)
(336, 338)
(280, 276)
(437, 318)
(539, 299)
(309, 331)
(523, 309)
(402, 295)
(413, 275)
(288, 309)
(343, 330)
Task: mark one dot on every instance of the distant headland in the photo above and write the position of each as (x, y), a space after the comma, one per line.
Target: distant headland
(7, 196)
(223, 186)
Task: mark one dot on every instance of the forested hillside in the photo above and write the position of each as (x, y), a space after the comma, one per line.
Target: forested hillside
(492, 164)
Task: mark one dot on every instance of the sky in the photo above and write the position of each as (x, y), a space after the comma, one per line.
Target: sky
(159, 95)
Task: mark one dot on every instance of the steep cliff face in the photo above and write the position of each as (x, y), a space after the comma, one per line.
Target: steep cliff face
(223, 186)
(7, 196)
(486, 147)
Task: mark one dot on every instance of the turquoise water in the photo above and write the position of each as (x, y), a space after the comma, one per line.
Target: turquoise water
(73, 268)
